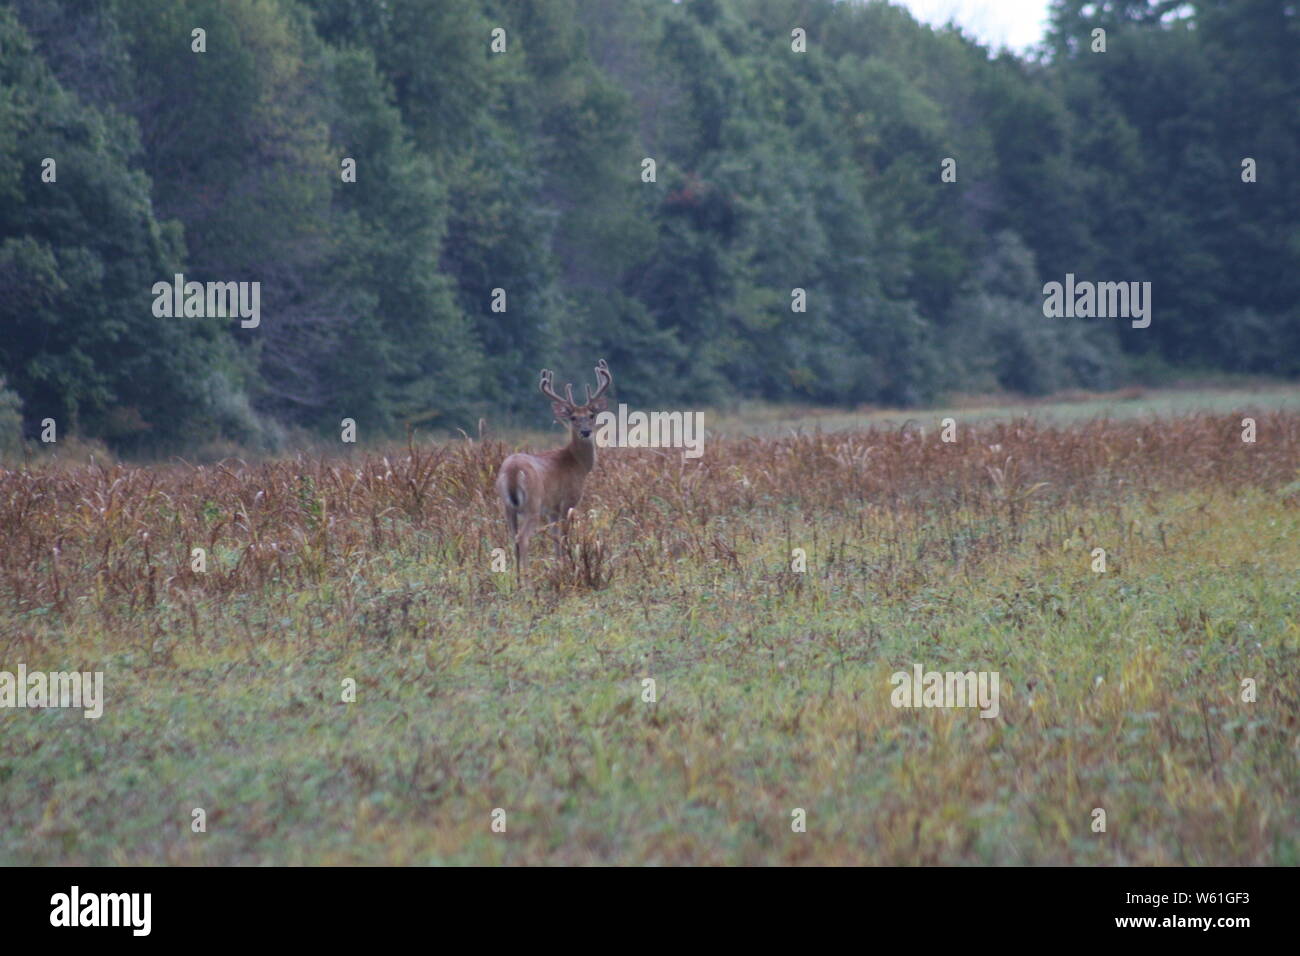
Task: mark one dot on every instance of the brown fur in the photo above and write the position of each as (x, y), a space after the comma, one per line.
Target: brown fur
(541, 489)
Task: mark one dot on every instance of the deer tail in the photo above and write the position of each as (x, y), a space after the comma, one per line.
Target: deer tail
(516, 488)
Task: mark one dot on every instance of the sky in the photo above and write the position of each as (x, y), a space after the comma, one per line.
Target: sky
(1017, 24)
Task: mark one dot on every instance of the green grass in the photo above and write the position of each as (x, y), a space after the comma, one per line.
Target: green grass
(1060, 409)
(1120, 691)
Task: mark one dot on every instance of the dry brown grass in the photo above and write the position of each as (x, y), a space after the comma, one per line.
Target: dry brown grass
(123, 535)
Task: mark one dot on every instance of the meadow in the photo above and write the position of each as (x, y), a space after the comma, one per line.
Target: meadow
(1121, 689)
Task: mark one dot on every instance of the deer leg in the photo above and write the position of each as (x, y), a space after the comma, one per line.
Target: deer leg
(549, 527)
(566, 524)
(526, 528)
(562, 527)
(512, 525)
(557, 539)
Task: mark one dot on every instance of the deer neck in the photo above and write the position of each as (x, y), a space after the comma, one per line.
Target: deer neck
(583, 451)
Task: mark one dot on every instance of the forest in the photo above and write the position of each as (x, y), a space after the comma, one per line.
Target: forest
(795, 201)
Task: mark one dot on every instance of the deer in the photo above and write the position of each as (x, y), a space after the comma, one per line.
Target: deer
(543, 489)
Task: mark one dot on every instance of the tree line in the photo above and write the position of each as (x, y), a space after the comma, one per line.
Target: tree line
(794, 200)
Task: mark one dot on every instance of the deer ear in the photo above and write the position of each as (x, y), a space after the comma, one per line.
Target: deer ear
(561, 411)
(599, 405)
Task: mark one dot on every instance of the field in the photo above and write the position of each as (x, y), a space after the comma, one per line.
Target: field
(1120, 690)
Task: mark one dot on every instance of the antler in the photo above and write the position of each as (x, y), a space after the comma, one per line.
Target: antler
(547, 387)
(604, 377)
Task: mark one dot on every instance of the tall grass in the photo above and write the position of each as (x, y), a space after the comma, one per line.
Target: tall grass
(478, 692)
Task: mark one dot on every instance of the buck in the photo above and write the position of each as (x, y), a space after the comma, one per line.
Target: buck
(542, 489)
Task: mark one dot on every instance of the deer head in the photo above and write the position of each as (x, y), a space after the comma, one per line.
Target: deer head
(581, 419)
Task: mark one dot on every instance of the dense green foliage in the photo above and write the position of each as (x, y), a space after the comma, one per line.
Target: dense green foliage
(11, 421)
(521, 171)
